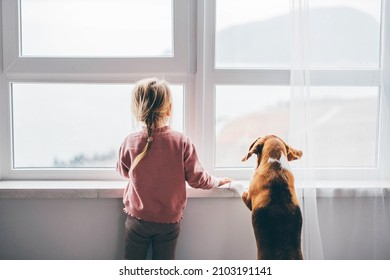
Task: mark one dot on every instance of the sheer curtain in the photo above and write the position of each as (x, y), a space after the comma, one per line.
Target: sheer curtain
(354, 222)
(299, 135)
(370, 204)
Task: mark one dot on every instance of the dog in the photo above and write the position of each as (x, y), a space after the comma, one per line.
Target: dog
(276, 215)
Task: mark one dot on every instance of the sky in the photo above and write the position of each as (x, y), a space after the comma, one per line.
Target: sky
(56, 120)
(233, 12)
(90, 28)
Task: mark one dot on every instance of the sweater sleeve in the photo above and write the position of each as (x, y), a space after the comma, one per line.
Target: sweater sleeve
(195, 174)
(124, 161)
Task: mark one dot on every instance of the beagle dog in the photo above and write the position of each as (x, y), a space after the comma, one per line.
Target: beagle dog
(276, 215)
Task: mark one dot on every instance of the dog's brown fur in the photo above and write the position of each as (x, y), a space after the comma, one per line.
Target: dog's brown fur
(276, 215)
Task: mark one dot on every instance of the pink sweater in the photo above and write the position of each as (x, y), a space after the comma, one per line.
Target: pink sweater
(156, 191)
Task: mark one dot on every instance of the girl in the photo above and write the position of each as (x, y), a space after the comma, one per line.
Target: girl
(157, 161)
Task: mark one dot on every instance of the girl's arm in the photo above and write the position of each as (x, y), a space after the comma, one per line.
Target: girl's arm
(195, 174)
(123, 163)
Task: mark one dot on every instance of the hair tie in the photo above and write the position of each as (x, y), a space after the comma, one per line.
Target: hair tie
(150, 139)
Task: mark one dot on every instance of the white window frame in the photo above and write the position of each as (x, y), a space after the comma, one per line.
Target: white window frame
(192, 66)
(15, 64)
(178, 69)
(211, 77)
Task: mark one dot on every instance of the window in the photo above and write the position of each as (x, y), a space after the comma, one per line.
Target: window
(337, 115)
(68, 71)
(58, 125)
(88, 28)
(247, 60)
(345, 34)
(243, 38)
(248, 111)
(340, 116)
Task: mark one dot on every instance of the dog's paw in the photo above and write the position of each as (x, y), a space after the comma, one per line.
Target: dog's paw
(238, 187)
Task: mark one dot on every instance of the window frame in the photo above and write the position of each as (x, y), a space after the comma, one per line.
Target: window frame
(192, 66)
(14, 63)
(212, 76)
(178, 69)
(9, 173)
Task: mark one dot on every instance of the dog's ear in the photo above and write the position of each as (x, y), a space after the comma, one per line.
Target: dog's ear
(255, 148)
(293, 154)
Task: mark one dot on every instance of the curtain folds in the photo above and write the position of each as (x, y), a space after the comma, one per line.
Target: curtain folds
(364, 206)
(299, 136)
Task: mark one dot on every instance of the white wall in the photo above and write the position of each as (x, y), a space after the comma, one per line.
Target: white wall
(212, 228)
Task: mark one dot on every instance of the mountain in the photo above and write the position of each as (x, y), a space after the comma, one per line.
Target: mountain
(337, 37)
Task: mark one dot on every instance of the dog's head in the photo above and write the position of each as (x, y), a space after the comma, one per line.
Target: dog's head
(272, 146)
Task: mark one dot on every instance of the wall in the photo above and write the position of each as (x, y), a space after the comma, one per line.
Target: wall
(355, 227)
(212, 228)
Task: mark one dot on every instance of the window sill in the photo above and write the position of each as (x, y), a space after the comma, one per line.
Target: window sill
(114, 189)
(86, 189)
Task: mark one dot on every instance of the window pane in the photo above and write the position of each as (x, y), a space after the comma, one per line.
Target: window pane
(257, 34)
(344, 123)
(90, 28)
(344, 33)
(244, 113)
(252, 34)
(75, 125)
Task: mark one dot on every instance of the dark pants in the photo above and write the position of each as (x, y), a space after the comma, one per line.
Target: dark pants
(140, 234)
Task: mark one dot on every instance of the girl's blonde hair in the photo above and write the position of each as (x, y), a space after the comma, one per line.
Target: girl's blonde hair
(151, 101)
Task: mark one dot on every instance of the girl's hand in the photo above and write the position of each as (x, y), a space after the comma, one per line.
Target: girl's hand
(223, 181)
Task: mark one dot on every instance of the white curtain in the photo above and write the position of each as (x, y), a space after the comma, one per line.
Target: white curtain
(355, 214)
(299, 136)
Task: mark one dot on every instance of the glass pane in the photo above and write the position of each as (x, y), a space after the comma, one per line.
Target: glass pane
(344, 123)
(244, 113)
(257, 34)
(75, 125)
(345, 33)
(90, 28)
(252, 34)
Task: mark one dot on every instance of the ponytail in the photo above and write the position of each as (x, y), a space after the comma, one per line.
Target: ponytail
(151, 98)
(146, 148)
